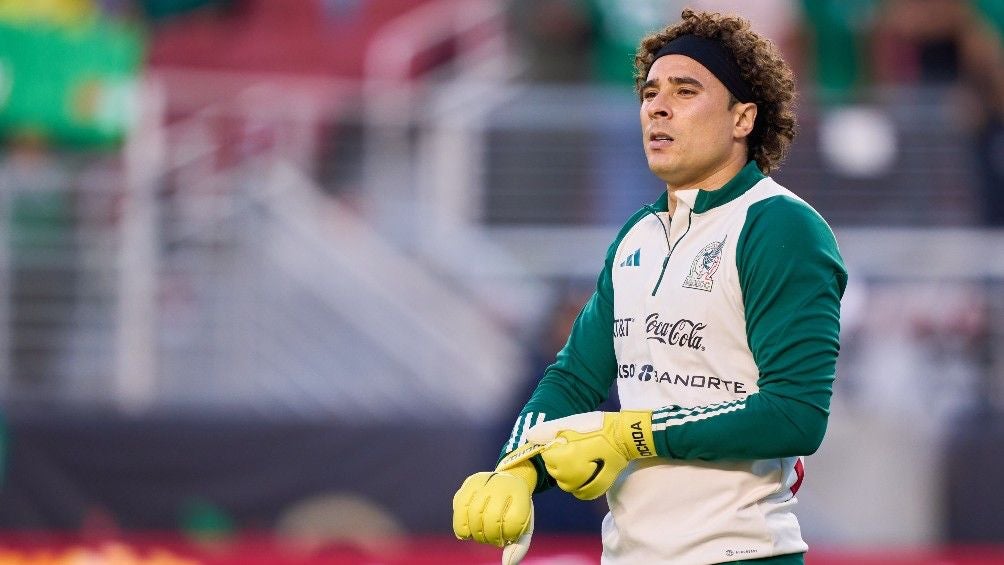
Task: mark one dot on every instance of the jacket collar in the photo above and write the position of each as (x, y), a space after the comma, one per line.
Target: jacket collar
(700, 200)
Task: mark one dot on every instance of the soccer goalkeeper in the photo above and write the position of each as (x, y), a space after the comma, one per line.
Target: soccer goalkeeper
(717, 315)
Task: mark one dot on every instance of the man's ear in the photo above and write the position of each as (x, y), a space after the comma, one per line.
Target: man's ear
(744, 114)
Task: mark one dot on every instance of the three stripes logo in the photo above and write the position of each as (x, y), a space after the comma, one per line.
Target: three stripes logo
(523, 425)
(676, 415)
(632, 260)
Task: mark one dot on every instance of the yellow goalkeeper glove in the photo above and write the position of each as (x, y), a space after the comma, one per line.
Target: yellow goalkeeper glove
(496, 507)
(586, 453)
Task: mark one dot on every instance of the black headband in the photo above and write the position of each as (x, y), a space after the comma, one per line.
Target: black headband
(715, 57)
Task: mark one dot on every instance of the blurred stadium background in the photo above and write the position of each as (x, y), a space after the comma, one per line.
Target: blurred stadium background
(275, 274)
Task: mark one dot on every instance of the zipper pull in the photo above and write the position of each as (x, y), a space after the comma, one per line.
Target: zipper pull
(661, 274)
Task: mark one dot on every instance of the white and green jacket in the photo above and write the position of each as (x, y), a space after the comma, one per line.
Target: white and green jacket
(723, 320)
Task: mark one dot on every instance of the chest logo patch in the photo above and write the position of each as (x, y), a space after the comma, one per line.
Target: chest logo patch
(704, 267)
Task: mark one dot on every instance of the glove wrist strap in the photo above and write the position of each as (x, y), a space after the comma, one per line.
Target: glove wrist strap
(524, 470)
(637, 437)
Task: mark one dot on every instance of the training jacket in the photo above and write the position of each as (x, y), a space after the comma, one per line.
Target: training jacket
(723, 320)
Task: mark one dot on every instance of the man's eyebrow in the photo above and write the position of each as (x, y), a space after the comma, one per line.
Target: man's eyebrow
(685, 80)
(652, 82)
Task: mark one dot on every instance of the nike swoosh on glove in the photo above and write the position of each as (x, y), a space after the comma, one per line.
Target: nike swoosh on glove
(596, 448)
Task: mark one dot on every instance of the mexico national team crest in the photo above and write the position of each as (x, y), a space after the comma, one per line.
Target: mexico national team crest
(702, 270)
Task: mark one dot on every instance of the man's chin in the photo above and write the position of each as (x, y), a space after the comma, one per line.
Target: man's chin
(663, 170)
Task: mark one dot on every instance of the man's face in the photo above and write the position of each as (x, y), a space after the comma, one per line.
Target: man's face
(688, 130)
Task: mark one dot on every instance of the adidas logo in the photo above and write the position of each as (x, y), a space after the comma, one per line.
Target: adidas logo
(632, 260)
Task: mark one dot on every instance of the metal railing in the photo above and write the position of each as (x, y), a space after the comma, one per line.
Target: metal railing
(170, 295)
(204, 274)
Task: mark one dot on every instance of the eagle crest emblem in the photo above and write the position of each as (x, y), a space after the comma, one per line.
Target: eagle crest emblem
(704, 267)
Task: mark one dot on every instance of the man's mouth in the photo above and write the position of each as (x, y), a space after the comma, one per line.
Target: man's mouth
(659, 140)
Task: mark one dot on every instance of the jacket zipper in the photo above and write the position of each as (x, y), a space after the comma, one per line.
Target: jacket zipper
(669, 252)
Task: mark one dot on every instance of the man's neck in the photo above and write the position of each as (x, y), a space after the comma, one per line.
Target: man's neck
(713, 181)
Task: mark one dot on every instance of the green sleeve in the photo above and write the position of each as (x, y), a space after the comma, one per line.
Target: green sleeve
(792, 278)
(585, 368)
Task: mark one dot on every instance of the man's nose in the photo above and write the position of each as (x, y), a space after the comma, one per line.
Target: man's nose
(658, 108)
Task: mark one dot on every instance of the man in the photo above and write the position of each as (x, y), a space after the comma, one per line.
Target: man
(716, 314)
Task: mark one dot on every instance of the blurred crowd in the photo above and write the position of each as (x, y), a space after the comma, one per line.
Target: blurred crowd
(842, 52)
(859, 62)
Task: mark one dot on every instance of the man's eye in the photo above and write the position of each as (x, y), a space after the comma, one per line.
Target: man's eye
(687, 92)
(648, 94)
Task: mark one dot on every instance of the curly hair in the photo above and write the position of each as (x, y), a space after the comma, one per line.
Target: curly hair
(760, 65)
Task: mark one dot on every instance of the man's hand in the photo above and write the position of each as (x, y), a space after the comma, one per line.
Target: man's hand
(496, 507)
(596, 448)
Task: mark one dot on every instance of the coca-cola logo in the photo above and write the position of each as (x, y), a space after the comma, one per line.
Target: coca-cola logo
(681, 333)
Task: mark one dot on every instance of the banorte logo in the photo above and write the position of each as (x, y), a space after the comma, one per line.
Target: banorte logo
(646, 373)
(681, 333)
